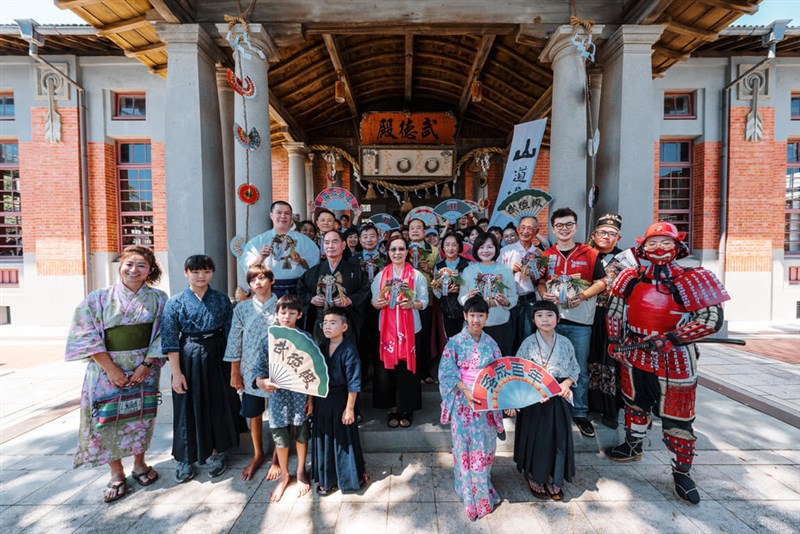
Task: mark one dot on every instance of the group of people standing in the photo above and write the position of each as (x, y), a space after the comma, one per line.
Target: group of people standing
(402, 310)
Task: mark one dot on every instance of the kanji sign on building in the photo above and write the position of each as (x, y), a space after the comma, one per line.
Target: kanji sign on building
(398, 127)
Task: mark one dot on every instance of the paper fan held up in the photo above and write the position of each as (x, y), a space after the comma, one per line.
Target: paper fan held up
(296, 363)
(524, 203)
(336, 198)
(452, 210)
(385, 222)
(509, 383)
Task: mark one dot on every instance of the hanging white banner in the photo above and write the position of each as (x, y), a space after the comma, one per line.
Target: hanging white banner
(519, 167)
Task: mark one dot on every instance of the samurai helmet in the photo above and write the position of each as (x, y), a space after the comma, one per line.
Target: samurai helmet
(660, 256)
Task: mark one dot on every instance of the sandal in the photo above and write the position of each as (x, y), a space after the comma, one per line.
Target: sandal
(430, 380)
(407, 419)
(323, 492)
(145, 478)
(394, 420)
(115, 490)
(543, 495)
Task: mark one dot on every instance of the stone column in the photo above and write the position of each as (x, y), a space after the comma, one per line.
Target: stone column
(225, 94)
(568, 125)
(297, 177)
(194, 171)
(628, 129)
(309, 170)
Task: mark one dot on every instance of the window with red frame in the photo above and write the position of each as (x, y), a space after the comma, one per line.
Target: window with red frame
(675, 184)
(679, 105)
(11, 210)
(6, 106)
(791, 240)
(130, 106)
(135, 194)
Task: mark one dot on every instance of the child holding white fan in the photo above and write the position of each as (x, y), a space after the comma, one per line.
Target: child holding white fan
(543, 449)
(288, 410)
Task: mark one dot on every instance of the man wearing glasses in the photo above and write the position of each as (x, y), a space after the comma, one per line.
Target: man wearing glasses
(573, 279)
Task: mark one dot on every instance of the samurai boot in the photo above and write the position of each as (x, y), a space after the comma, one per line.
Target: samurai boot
(628, 451)
(685, 489)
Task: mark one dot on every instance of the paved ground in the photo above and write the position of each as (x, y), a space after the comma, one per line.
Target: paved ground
(748, 469)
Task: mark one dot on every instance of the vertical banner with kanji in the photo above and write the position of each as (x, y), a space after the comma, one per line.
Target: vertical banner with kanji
(519, 167)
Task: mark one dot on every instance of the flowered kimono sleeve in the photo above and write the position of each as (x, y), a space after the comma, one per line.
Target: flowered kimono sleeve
(449, 376)
(233, 350)
(154, 351)
(86, 331)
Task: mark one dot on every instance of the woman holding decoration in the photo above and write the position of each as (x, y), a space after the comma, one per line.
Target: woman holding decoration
(399, 292)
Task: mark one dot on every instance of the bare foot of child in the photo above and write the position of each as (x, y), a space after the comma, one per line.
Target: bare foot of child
(277, 493)
(274, 471)
(252, 467)
(302, 483)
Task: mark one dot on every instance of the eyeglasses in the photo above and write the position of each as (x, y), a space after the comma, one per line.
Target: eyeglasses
(603, 233)
(666, 244)
(568, 225)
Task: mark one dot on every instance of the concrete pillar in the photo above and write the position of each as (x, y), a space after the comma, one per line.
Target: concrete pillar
(194, 171)
(629, 131)
(225, 94)
(253, 113)
(310, 195)
(297, 177)
(568, 125)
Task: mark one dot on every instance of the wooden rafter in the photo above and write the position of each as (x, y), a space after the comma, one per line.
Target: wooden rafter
(147, 49)
(172, 11)
(670, 53)
(368, 28)
(733, 5)
(338, 65)
(290, 129)
(539, 109)
(689, 31)
(475, 72)
(72, 4)
(409, 66)
(123, 25)
(646, 11)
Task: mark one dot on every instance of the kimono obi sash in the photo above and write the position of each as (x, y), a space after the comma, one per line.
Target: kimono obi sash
(128, 337)
(468, 377)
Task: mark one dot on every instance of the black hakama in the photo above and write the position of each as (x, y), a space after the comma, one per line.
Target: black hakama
(205, 418)
(604, 396)
(543, 442)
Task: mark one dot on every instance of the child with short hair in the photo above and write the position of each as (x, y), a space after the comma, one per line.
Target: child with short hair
(337, 460)
(543, 449)
(251, 321)
(288, 410)
(474, 434)
(206, 421)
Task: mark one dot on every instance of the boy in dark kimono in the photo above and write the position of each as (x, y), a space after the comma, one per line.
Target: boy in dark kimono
(337, 460)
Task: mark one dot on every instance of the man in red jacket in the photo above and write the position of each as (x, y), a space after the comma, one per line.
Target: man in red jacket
(572, 279)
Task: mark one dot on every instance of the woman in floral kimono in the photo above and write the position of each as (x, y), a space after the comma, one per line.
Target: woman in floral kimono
(116, 330)
(474, 433)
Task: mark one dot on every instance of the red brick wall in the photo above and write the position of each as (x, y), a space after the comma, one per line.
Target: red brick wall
(50, 185)
(540, 180)
(755, 195)
(705, 208)
(280, 175)
(103, 220)
(159, 197)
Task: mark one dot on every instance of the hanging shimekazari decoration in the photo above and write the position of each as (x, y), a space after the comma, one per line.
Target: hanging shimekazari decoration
(245, 88)
(248, 193)
(251, 141)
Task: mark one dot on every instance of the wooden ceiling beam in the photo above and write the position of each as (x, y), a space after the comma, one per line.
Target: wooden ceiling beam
(670, 53)
(539, 109)
(475, 72)
(72, 4)
(147, 49)
(689, 31)
(367, 28)
(289, 126)
(646, 11)
(123, 25)
(409, 67)
(341, 71)
(734, 5)
(172, 11)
